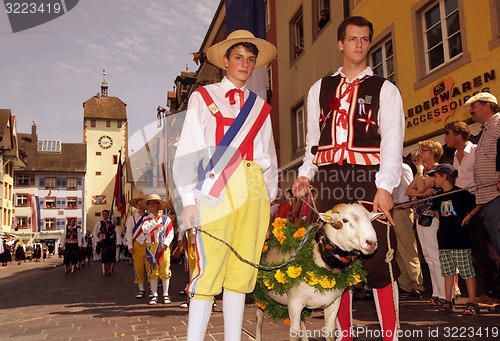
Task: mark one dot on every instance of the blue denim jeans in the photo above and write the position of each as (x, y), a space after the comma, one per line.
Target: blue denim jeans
(491, 218)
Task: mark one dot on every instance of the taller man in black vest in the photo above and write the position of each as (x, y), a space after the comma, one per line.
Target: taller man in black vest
(355, 134)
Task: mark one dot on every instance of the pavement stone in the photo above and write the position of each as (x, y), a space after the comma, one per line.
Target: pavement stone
(37, 302)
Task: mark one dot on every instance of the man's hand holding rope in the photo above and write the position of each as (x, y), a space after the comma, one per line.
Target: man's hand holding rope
(189, 217)
(383, 202)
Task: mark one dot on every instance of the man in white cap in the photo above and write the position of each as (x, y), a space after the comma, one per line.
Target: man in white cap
(136, 243)
(226, 173)
(483, 109)
(159, 230)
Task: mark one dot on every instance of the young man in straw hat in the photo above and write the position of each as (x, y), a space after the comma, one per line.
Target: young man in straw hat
(226, 173)
(160, 232)
(136, 243)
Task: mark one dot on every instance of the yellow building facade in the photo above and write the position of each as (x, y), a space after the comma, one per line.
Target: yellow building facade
(438, 53)
(444, 52)
(105, 132)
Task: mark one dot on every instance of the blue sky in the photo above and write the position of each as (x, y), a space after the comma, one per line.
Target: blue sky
(47, 72)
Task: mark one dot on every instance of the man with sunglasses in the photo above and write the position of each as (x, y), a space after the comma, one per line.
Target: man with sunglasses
(484, 109)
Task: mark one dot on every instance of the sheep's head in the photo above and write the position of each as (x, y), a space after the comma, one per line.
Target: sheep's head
(350, 227)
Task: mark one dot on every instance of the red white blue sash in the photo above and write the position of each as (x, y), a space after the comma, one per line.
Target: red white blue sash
(158, 255)
(137, 230)
(235, 144)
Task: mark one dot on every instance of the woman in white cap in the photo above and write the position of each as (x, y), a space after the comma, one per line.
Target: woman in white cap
(226, 173)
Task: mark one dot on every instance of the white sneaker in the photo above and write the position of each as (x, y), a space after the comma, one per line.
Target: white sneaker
(153, 300)
(184, 305)
(166, 300)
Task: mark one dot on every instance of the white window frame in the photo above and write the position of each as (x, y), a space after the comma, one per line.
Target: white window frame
(267, 7)
(22, 222)
(296, 34)
(445, 38)
(50, 182)
(70, 185)
(23, 180)
(70, 200)
(50, 200)
(22, 200)
(318, 6)
(49, 223)
(299, 121)
(384, 63)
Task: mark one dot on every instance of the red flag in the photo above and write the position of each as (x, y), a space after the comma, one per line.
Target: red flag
(33, 202)
(118, 190)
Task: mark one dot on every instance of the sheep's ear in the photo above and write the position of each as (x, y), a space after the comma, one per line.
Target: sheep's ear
(332, 219)
(329, 217)
(374, 215)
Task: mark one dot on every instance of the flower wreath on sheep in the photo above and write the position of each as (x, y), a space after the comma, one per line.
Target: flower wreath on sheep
(287, 236)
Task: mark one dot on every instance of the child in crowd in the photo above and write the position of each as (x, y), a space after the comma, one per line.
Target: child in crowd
(454, 210)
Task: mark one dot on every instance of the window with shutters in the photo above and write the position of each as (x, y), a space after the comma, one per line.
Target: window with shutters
(71, 202)
(49, 223)
(22, 222)
(22, 200)
(50, 182)
(22, 180)
(50, 202)
(72, 183)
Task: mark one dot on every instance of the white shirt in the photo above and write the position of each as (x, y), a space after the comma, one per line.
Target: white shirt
(391, 124)
(197, 141)
(119, 238)
(466, 167)
(131, 221)
(62, 240)
(399, 194)
(149, 225)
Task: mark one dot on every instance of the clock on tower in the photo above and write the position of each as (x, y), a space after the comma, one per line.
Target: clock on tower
(105, 142)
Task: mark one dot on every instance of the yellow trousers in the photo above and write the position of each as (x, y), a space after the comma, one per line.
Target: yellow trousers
(242, 221)
(161, 270)
(140, 261)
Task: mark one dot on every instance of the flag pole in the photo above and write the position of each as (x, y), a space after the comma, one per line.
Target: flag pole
(112, 212)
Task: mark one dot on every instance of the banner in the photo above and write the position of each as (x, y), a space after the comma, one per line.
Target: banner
(118, 190)
(33, 202)
(249, 15)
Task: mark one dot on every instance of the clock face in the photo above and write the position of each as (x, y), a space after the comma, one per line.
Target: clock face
(105, 142)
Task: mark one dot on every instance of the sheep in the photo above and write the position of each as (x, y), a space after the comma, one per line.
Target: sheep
(349, 228)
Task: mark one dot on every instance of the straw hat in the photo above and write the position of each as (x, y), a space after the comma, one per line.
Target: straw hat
(135, 201)
(267, 51)
(155, 197)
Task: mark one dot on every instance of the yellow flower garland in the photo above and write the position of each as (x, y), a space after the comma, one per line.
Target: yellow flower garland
(286, 236)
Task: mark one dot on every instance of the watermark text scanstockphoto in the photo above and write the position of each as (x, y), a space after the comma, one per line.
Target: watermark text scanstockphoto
(437, 332)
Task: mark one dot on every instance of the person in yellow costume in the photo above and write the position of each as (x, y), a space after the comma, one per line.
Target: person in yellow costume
(225, 170)
(136, 243)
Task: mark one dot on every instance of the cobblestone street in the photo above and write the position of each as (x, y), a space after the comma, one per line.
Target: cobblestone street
(40, 303)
